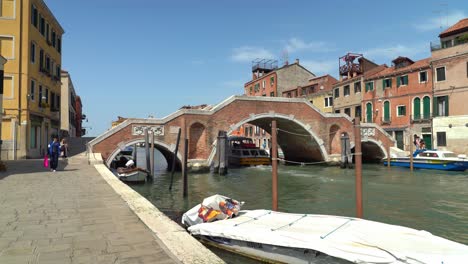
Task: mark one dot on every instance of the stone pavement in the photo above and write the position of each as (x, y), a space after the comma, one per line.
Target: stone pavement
(70, 216)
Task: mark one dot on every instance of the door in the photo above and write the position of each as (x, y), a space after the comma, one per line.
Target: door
(427, 140)
(399, 139)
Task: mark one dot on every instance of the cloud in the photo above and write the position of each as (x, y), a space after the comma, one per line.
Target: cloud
(296, 44)
(440, 21)
(391, 52)
(320, 67)
(248, 53)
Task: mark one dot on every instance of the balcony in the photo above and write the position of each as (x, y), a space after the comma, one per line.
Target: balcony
(386, 121)
(424, 118)
(460, 40)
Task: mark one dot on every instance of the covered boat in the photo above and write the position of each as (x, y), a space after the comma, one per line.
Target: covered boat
(308, 238)
(243, 152)
(432, 159)
(132, 175)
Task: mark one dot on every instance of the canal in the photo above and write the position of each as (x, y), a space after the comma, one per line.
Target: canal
(435, 201)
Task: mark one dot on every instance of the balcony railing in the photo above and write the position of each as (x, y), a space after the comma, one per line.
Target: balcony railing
(421, 118)
(436, 45)
(386, 121)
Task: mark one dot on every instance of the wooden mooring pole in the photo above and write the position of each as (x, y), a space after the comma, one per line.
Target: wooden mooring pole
(175, 158)
(152, 154)
(274, 166)
(411, 154)
(184, 168)
(388, 156)
(147, 154)
(358, 165)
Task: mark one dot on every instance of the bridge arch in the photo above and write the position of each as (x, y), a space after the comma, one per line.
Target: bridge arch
(301, 136)
(166, 150)
(372, 150)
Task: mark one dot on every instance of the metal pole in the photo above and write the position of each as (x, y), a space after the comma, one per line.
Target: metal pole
(411, 154)
(185, 167)
(358, 165)
(274, 165)
(175, 157)
(147, 150)
(152, 154)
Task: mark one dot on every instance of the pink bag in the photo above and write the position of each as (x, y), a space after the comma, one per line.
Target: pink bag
(46, 161)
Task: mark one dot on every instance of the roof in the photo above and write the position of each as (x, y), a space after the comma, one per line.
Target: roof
(459, 27)
(389, 71)
(277, 70)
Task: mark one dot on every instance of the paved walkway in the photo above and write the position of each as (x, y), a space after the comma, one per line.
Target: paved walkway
(70, 216)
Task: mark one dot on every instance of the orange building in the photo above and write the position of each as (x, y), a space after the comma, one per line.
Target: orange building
(399, 99)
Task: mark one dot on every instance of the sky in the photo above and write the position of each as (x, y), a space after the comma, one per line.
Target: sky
(144, 58)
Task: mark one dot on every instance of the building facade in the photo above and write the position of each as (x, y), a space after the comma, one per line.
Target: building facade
(31, 41)
(398, 99)
(67, 110)
(318, 91)
(2, 62)
(449, 62)
(347, 92)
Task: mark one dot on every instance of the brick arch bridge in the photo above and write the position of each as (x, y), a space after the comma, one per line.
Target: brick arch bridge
(305, 134)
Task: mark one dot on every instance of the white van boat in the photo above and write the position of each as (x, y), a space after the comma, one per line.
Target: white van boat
(307, 238)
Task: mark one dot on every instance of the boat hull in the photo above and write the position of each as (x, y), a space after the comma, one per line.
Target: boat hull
(133, 177)
(428, 164)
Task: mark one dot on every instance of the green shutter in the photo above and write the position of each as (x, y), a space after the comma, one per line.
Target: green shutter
(417, 108)
(434, 106)
(426, 107)
(406, 79)
(390, 82)
(369, 113)
(387, 111)
(446, 105)
(398, 81)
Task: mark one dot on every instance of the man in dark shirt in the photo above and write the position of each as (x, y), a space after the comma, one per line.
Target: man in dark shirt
(54, 152)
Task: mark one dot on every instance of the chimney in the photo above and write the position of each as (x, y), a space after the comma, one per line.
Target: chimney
(297, 61)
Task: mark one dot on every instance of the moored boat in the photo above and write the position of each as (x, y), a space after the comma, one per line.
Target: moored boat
(132, 175)
(308, 238)
(432, 159)
(243, 152)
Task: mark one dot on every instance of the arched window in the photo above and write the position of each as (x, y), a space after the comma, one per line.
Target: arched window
(386, 111)
(416, 108)
(427, 107)
(369, 113)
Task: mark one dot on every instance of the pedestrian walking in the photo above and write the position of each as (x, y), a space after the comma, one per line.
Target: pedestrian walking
(54, 152)
(64, 147)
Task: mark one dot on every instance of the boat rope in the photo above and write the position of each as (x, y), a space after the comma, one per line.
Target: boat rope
(329, 233)
(391, 254)
(290, 224)
(253, 219)
(306, 135)
(301, 163)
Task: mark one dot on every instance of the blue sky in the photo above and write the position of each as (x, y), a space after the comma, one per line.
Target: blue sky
(144, 57)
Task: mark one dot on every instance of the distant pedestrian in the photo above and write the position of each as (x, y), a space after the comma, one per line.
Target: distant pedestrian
(54, 152)
(64, 147)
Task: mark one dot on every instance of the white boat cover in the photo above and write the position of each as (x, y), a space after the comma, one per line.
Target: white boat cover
(352, 239)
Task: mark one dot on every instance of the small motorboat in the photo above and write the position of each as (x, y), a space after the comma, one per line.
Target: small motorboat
(308, 238)
(132, 175)
(432, 159)
(243, 152)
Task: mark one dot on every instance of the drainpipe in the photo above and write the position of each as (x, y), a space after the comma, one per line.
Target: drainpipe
(20, 64)
(13, 120)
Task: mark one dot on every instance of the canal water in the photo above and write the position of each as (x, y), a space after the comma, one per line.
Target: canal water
(435, 201)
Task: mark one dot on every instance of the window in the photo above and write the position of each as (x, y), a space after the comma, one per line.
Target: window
(357, 111)
(402, 80)
(42, 26)
(263, 84)
(47, 64)
(7, 8)
(401, 110)
(447, 44)
(272, 94)
(386, 112)
(328, 101)
(369, 86)
(57, 71)
(369, 113)
(32, 90)
(337, 111)
(357, 87)
(33, 52)
(440, 74)
(289, 95)
(441, 106)
(423, 76)
(347, 111)
(337, 92)
(250, 90)
(272, 80)
(441, 139)
(47, 33)
(303, 91)
(346, 90)
(34, 16)
(47, 95)
(52, 100)
(387, 83)
(7, 47)
(256, 87)
(59, 45)
(41, 60)
(40, 96)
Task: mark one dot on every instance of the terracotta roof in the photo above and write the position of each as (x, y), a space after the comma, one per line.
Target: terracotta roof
(389, 71)
(459, 27)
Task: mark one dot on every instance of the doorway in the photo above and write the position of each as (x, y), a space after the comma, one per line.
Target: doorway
(427, 140)
(399, 139)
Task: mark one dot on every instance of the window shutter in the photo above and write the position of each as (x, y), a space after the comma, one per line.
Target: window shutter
(390, 82)
(446, 105)
(406, 79)
(398, 81)
(435, 106)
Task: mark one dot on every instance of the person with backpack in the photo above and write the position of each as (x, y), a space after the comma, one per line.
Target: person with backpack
(54, 152)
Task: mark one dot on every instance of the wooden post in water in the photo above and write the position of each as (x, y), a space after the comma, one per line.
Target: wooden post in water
(411, 154)
(184, 168)
(147, 154)
(223, 159)
(358, 165)
(274, 166)
(388, 156)
(134, 154)
(152, 154)
(175, 158)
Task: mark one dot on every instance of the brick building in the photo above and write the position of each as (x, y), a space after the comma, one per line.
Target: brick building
(449, 63)
(398, 99)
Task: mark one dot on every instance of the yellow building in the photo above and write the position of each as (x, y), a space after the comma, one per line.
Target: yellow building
(322, 100)
(31, 41)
